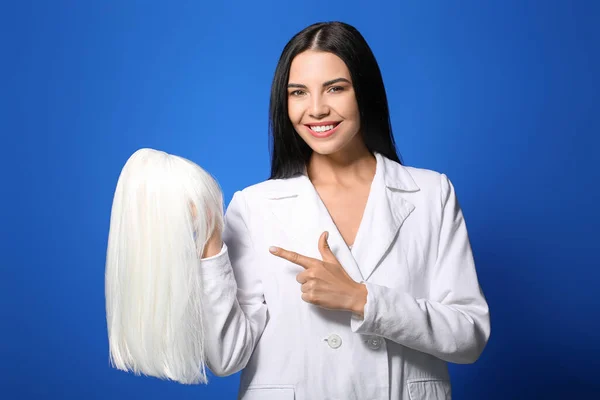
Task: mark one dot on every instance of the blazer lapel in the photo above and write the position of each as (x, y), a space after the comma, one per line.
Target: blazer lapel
(304, 217)
(386, 211)
(297, 211)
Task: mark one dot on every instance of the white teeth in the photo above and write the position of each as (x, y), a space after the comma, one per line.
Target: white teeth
(322, 128)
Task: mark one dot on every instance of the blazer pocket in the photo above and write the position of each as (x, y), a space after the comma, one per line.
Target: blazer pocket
(429, 389)
(268, 392)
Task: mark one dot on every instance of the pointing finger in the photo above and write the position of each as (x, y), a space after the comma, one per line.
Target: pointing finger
(293, 257)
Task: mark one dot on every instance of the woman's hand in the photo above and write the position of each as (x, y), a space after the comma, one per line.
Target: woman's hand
(325, 283)
(215, 242)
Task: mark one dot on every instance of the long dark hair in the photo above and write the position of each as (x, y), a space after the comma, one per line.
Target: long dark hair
(289, 152)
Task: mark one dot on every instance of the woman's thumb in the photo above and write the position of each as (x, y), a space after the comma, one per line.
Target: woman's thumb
(324, 248)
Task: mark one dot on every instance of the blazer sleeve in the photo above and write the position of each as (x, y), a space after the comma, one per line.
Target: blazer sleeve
(453, 322)
(233, 300)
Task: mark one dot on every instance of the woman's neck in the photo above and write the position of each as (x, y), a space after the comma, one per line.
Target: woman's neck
(342, 168)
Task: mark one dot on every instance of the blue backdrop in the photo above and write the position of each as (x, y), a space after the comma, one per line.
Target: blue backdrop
(502, 96)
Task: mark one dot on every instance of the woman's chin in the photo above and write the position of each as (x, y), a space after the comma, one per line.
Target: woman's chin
(334, 145)
(325, 149)
(331, 148)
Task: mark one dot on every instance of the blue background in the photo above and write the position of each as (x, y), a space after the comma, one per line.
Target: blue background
(501, 96)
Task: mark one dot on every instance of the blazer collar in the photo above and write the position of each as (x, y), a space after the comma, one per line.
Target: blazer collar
(395, 176)
(299, 209)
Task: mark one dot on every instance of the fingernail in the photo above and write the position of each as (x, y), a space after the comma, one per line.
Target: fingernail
(273, 249)
(326, 235)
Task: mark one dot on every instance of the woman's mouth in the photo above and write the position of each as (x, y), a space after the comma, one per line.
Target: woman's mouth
(323, 130)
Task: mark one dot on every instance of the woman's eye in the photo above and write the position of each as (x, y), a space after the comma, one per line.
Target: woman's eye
(297, 93)
(336, 89)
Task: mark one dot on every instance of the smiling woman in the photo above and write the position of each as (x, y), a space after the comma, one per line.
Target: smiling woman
(320, 107)
(331, 76)
(346, 275)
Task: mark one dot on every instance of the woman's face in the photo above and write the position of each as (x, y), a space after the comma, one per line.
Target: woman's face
(321, 101)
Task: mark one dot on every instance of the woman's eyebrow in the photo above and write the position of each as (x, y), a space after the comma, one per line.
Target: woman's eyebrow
(331, 82)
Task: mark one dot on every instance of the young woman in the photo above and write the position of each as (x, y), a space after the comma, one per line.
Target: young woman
(346, 275)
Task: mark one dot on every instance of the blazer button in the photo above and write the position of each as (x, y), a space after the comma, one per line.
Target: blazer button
(334, 341)
(374, 343)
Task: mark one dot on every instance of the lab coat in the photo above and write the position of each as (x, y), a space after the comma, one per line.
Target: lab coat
(424, 305)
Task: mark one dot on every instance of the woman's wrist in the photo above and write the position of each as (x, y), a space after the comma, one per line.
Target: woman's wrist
(360, 300)
(212, 249)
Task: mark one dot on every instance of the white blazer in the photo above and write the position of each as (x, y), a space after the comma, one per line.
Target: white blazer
(424, 304)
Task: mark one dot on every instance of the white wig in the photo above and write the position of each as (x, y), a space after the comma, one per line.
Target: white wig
(164, 210)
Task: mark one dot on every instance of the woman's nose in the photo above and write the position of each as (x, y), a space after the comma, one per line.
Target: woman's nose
(318, 108)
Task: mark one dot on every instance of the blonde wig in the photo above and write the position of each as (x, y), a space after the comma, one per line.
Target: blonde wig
(164, 210)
